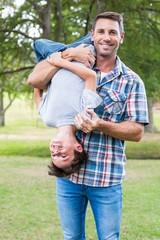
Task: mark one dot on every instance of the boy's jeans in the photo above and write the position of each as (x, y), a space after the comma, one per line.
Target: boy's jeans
(106, 204)
(44, 47)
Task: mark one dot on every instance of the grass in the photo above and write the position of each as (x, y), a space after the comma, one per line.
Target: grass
(29, 209)
(39, 148)
(26, 135)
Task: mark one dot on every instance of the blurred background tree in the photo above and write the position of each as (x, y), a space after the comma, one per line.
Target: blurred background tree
(66, 21)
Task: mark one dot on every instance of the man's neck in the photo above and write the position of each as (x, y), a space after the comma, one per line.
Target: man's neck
(105, 64)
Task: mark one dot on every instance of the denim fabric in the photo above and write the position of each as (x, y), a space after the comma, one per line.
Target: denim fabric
(44, 47)
(106, 204)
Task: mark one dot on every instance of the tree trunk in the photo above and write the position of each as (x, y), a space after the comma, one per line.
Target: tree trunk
(44, 17)
(100, 6)
(151, 127)
(59, 20)
(47, 20)
(2, 122)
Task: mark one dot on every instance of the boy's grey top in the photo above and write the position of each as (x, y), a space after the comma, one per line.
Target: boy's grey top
(65, 98)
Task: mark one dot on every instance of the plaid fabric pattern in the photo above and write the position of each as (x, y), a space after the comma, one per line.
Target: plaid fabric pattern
(124, 98)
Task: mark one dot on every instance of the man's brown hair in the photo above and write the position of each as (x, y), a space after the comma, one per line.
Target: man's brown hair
(110, 15)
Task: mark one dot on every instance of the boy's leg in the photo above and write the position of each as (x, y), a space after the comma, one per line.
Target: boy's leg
(86, 39)
(44, 47)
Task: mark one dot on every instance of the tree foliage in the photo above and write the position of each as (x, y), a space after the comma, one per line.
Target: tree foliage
(66, 21)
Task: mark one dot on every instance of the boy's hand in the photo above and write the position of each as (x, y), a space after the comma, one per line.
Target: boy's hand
(82, 122)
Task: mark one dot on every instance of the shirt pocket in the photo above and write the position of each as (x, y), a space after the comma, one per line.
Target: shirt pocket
(114, 102)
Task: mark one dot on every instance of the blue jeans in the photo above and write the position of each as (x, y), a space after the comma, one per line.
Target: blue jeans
(44, 47)
(106, 204)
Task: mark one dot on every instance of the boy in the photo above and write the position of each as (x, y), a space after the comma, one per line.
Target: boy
(67, 95)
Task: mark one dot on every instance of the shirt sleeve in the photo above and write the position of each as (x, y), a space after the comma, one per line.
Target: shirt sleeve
(136, 108)
(90, 99)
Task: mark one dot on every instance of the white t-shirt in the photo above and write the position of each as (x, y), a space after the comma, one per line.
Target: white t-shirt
(65, 98)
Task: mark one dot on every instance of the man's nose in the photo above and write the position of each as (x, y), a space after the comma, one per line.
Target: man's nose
(107, 37)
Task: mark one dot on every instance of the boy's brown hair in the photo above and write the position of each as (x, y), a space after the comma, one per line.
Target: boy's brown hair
(79, 159)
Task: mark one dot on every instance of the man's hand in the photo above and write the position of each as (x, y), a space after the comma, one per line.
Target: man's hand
(82, 122)
(79, 54)
(55, 59)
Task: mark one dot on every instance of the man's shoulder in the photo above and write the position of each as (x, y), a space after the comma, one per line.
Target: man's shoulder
(129, 74)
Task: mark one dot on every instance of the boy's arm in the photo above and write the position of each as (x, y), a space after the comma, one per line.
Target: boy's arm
(82, 71)
(43, 71)
(38, 93)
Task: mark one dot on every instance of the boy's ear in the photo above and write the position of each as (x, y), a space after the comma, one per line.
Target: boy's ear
(79, 147)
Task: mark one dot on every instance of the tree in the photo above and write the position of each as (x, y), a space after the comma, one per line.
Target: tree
(66, 21)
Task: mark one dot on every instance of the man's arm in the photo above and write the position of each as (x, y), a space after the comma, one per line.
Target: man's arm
(42, 74)
(127, 130)
(43, 71)
(88, 75)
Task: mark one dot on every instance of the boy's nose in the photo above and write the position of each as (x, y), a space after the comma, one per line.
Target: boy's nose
(55, 151)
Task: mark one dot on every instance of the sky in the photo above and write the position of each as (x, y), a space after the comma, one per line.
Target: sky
(19, 2)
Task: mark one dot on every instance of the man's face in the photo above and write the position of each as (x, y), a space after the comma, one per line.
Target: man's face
(106, 37)
(62, 152)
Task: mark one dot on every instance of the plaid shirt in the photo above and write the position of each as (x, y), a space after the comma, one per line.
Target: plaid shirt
(124, 99)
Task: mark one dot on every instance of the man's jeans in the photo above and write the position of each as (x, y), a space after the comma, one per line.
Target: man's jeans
(106, 204)
(44, 47)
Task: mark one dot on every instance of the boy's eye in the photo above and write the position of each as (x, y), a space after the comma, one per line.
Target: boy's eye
(63, 156)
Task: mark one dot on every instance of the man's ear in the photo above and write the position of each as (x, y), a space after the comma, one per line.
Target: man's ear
(92, 33)
(122, 37)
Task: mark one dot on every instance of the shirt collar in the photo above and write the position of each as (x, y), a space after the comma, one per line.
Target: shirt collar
(117, 71)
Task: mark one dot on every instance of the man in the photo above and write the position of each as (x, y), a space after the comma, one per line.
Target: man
(120, 117)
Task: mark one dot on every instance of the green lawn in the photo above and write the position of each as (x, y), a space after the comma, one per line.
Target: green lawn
(28, 206)
(28, 209)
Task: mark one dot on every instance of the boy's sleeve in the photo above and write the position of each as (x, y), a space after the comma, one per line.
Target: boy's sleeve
(90, 99)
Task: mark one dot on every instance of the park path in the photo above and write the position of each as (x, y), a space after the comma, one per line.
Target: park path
(147, 136)
(23, 137)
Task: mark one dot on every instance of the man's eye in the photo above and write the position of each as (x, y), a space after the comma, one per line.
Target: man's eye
(113, 32)
(100, 31)
(63, 156)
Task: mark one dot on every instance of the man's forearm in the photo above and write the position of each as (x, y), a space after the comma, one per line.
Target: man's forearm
(43, 71)
(127, 130)
(42, 74)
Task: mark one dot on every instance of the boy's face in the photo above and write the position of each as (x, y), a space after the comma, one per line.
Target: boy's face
(62, 151)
